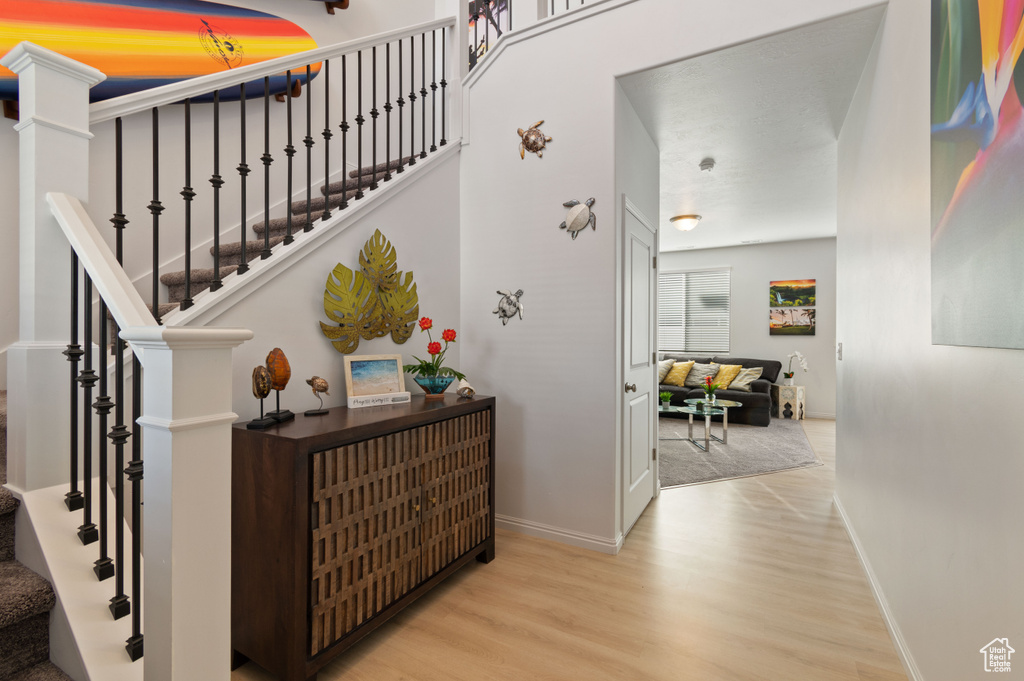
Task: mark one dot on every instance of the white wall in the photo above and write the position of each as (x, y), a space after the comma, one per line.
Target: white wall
(286, 313)
(752, 268)
(929, 467)
(556, 372)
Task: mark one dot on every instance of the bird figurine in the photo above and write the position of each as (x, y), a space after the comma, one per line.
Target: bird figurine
(319, 385)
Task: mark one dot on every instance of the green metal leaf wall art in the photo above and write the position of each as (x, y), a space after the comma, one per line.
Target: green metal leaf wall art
(371, 303)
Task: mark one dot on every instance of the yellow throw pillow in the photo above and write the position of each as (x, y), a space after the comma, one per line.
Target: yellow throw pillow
(677, 374)
(726, 374)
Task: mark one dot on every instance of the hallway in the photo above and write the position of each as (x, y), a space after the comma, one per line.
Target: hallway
(748, 579)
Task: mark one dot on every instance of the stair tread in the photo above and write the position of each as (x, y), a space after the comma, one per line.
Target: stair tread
(23, 593)
(8, 504)
(47, 671)
(298, 220)
(253, 245)
(316, 204)
(352, 183)
(200, 275)
(381, 167)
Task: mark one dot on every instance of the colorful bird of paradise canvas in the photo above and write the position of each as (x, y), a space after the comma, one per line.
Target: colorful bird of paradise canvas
(977, 168)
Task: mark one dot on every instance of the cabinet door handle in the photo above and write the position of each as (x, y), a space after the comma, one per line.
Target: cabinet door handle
(433, 500)
(416, 508)
(631, 387)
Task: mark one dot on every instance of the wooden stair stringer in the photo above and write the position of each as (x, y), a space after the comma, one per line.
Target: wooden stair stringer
(208, 305)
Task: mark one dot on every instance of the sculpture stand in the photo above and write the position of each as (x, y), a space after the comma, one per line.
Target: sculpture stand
(280, 415)
(316, 412)
(262, 422)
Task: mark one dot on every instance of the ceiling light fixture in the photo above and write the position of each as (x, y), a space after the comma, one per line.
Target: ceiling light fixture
(685, 223)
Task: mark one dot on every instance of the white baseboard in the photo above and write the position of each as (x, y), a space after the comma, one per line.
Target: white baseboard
(820, 415)
(560, 535)
(906, 657)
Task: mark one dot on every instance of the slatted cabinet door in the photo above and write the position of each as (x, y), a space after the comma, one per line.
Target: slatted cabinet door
(455, 475)
(365, 530)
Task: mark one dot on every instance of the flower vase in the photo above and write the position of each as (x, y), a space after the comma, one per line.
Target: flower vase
(434, 386)
(711, 399)
(789, 381)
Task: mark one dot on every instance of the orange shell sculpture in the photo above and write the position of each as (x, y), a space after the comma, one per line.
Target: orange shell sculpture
(260, 382)
(280, 370)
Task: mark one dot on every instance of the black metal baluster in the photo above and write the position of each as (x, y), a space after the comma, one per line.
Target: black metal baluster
(104, 566)
(327, 138)
(487, 28)
(359, 125)
(73, 499)
(423, 95)
(289, 151)
(87, 379)
(243, 172)
(412, 100)
(155, 208)
(344, 135)
(267, 160)
(444, 84)
(188, 194)
(373, 114)
(433, 90)
(217, 181)
(401, 105)
(387, 112)
(134, 472)
(119, 605)
(308, 140)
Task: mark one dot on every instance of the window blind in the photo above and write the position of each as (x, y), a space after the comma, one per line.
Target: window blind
(693, 311)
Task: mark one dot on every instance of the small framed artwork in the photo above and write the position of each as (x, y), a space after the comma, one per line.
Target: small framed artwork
(791, 321)
(372, 380)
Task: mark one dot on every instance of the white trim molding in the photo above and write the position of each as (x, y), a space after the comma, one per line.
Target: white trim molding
(898, 642)
(559, 534)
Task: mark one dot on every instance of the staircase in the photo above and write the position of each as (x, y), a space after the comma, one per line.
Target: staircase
(25, 598)
(359, 181)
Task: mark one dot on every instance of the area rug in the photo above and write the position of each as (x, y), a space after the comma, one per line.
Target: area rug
(752, 450)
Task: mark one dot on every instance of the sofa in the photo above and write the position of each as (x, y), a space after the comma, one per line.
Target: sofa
(757, 403)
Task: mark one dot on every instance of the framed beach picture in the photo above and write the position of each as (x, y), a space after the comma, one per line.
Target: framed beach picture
(373, 375)
(792, 293)
(791, 321)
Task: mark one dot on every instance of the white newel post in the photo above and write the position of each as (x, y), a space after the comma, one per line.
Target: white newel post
(53, 157)
(186, 424)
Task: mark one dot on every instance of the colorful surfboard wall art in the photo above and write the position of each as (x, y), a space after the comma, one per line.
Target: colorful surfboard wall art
(140, 44)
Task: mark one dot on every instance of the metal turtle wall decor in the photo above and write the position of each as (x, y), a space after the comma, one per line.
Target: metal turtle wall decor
(375, 301)
(533, 140)
(509, 306)
(580, 217)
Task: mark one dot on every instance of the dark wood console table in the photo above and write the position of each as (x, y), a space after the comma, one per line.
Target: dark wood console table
(340, 521)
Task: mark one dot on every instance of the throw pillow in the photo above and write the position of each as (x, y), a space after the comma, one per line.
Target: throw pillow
(678, 374)
(695, 379)
(726, 374)
(664, 366)
(745, 378)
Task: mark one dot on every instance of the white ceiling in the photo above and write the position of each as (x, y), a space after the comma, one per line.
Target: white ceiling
(769, 113)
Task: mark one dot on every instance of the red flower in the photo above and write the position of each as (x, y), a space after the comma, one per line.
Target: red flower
(434, 348)
(707, 379)
(426, 323)
(448, 336)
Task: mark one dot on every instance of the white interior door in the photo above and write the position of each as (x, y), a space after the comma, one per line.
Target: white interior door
(639, 420)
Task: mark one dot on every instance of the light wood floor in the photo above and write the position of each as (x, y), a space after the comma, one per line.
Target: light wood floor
(744, 579)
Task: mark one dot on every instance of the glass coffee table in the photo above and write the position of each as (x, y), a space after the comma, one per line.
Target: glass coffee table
(699, 407)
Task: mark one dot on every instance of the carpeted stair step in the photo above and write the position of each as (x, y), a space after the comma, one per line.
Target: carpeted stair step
(381, 167)
(25, 603)
(363, 182)
(231, 254)
(279, 226)
(41, 672)
(201, 280)
(316, 205)
(8, 505)
(3, 437)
